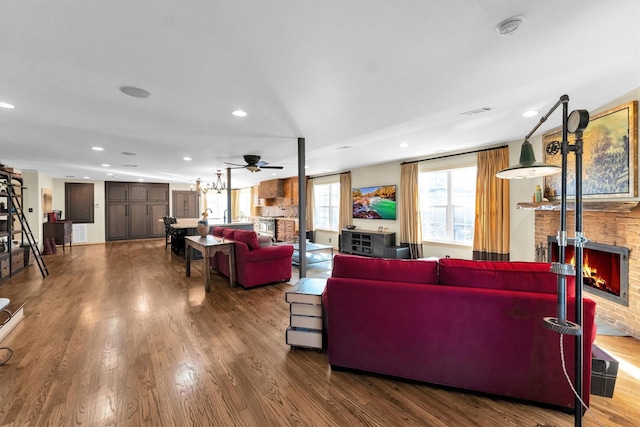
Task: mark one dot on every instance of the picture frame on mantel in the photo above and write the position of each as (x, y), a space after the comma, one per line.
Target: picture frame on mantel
(609, 160)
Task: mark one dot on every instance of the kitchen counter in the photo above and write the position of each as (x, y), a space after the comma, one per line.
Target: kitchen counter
(213, 222)
(188, 227)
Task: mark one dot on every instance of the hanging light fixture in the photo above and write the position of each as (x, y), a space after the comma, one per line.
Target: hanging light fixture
(219, 186)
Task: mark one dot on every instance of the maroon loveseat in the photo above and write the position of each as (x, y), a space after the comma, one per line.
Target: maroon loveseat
(475, 325)
(255, 265)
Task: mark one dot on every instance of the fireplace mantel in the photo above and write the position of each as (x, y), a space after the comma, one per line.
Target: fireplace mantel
(588, 205)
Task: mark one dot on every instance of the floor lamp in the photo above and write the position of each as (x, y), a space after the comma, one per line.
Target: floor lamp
(575, 123)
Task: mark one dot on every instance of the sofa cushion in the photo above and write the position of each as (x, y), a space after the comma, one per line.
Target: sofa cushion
(228, 233)
(385, 270)
(247, 236)
(503, 275)
(217, 231)
(265, 241)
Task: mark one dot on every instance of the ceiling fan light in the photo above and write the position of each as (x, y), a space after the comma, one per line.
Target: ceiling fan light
(253, 168)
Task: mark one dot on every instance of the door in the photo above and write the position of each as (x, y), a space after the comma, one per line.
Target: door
(139, 220)
(117, 221)
(157, 224)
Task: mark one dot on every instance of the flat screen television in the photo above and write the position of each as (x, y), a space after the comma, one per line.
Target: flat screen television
(374, 202)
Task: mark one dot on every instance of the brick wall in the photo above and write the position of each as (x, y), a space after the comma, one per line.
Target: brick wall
(613, 228)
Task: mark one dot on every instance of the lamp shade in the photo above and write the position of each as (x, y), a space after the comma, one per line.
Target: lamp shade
(528, 167)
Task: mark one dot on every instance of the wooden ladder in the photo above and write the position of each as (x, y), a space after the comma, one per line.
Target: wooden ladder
(35, 250)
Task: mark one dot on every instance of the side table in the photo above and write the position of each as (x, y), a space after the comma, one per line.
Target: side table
(306, 321)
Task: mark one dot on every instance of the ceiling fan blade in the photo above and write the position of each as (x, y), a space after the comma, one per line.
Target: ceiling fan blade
(234, 164)
(271, 167)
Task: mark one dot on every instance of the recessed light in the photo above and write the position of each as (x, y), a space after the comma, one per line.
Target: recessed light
(239, 113)
(404, 145)
(136, 92)
(97, 148)
(106, 165)
(306, 167)
(109, 174)
(6, 105)
(274, 174)
(187, 159)
(140, 179)
(86, 177)
(530, 113)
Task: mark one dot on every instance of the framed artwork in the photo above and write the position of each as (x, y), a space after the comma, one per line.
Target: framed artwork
(609, 159)
(47, 201)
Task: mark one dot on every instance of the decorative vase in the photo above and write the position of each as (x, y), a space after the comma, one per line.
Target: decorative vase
(203, 228)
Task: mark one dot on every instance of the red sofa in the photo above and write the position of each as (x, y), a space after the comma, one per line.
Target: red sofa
(475, 325)
(255, 265)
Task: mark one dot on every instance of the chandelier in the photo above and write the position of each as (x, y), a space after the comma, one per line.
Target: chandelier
(219, 186)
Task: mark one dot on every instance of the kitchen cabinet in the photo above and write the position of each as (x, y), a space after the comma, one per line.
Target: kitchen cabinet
(185, 204)
(286, 229)
(271, 189)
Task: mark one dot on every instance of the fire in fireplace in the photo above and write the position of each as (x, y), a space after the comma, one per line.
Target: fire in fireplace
(605, 269)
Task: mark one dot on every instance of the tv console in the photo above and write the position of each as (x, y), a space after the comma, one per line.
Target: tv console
(377, 244)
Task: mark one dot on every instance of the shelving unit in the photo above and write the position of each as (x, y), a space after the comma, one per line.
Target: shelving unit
(367, 243)
(12, 253)
(306, 320)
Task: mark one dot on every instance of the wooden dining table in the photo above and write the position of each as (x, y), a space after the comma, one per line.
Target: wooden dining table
(208, 246)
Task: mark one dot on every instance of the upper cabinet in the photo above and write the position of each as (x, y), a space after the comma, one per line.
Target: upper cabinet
(271, 189)
(284, 190)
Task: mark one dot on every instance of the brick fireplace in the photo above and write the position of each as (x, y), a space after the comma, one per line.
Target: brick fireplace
(606, 228)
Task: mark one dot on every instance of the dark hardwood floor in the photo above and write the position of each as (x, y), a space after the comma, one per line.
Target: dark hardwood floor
(118, 336)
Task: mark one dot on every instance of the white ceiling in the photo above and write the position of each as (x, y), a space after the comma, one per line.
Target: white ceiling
(369, 74)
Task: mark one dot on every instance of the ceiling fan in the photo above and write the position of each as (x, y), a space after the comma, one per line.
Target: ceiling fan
(253, 164)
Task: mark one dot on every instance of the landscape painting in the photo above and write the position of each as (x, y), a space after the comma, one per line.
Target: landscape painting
(375, 202)
(609, 159)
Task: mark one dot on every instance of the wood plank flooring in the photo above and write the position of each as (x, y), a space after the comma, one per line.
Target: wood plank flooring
(118, 336)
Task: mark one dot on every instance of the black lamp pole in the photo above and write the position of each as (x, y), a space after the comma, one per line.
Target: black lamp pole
(575, 123)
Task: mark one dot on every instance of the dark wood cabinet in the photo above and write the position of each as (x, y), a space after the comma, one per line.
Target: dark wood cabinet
(135, 210)
(367, 243)
(117, 221)
(61, 232)
(185, 204)
(79, 202)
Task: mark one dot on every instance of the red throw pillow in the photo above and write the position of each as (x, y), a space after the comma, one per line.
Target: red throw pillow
(248, 237)
(388, 270)
(228, 233)
(217, 231)
(504, 275)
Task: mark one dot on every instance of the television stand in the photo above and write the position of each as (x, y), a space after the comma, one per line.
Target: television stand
(377, 244)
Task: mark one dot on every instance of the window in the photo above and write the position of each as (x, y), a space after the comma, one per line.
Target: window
(217, 203)
(244, 203)
(327, 206)
(447, 205)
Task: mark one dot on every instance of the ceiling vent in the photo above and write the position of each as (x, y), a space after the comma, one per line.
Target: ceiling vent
(477, 111)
